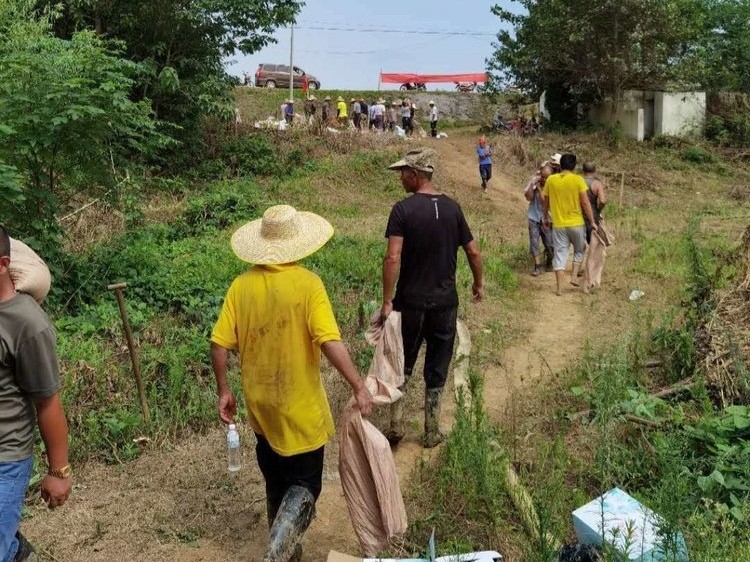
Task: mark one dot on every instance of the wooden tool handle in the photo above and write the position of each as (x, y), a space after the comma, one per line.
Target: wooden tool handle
(115, 286)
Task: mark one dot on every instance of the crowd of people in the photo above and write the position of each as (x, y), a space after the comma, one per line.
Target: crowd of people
(378, 115)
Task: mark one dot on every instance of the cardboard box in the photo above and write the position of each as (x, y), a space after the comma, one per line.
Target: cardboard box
(622, 521)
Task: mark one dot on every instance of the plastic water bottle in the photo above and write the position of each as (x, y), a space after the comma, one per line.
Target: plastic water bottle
(233, 448)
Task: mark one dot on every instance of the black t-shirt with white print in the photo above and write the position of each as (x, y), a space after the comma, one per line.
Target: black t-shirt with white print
(433, 228)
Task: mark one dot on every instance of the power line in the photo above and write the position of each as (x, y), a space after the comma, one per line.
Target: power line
(409, 31)
(379, 51)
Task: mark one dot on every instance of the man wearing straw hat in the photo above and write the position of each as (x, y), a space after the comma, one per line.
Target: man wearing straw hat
(424, 233)
(278, 316)
(378, 114)
(341, 112)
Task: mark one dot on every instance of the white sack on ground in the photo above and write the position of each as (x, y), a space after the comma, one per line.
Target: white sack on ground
(28, 271)
(366, 465)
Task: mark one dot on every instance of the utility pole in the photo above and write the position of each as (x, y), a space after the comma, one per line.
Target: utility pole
(291, 65)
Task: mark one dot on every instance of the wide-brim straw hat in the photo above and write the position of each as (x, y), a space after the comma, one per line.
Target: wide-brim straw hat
(555, 158)
(381, 100)
(431, 103)
(340, 99)
(283, 235)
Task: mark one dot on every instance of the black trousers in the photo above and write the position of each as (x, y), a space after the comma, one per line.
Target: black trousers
(281, 473)
(437, 327)
(433, 128)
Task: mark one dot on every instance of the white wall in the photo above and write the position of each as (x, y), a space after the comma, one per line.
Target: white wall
(681, 114)
(630, 112)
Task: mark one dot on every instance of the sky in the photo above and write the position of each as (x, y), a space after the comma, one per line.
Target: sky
(353, 59)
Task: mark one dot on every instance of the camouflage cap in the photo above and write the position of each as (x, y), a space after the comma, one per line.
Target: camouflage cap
(423, 159)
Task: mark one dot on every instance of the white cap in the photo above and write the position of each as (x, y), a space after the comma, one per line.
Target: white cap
(232, 427)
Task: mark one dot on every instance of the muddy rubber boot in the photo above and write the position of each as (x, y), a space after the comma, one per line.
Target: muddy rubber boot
(292, 520)
(432, 436)
(396, 431)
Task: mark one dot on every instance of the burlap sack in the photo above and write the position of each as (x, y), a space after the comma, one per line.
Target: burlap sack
(28, 271)
(366, 465)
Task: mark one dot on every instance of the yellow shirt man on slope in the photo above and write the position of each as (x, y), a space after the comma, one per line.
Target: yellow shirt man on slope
(278, 317)
(565, 196)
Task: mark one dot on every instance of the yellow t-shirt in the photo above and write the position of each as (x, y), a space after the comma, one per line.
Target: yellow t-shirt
(277, 317)
(564, 193)
(341, 106)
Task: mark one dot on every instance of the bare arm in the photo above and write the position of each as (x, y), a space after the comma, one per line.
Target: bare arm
(545, 209)
(227, 402)
(528, 191)
(391, 264)
(336, 353)
(586, 206)
(601, 196)
(53, 428)
(475, 263)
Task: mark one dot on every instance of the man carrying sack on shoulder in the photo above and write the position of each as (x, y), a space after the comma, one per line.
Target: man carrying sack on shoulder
(278, 317)
(29, 397)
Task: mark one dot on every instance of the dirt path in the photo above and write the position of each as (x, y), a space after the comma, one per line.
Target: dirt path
(181, 505)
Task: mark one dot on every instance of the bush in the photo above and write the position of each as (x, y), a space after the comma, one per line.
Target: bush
(697, 155)
(729, 130)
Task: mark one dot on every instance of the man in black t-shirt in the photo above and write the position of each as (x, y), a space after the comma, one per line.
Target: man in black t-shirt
(424, 233)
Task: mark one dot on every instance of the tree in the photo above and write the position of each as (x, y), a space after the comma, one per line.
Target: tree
(181, 45)
(723, 61)
(595, 49)
(68, 121)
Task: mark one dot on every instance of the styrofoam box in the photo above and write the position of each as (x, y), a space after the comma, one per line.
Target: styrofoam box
(622, 521)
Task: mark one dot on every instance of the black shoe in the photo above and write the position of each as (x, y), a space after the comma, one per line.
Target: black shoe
(25, 552)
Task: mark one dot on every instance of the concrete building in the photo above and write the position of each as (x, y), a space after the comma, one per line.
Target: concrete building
(644, 114)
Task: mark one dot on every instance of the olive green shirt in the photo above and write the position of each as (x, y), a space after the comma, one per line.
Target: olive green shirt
(28, 372)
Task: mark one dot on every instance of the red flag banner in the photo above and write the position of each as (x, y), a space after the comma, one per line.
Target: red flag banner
(399, 78)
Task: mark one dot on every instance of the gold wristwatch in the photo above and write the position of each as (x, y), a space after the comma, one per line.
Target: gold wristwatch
(63, 472)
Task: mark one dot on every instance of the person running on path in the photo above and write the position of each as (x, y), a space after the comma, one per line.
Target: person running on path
(540, 236)
(278, 317)
(433, 119)
(484, 155)
(29, 397)
(565, 196)
(341, 114)
(424, 233)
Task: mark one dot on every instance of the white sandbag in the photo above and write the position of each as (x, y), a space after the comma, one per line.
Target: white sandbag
(28, 271)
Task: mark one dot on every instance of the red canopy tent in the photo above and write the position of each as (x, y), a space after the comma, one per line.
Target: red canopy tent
(397, 78)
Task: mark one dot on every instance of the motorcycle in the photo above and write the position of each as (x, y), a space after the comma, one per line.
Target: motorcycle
(465, 86)
(419, 86)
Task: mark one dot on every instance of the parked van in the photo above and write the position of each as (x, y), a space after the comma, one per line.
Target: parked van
(277, 75)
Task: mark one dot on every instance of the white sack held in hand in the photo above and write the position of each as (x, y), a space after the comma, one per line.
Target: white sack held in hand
(28, 271)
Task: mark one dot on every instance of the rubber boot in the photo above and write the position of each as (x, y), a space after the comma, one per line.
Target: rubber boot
(396, 431)
(432, 436)
(574, 274)
(294, 516)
